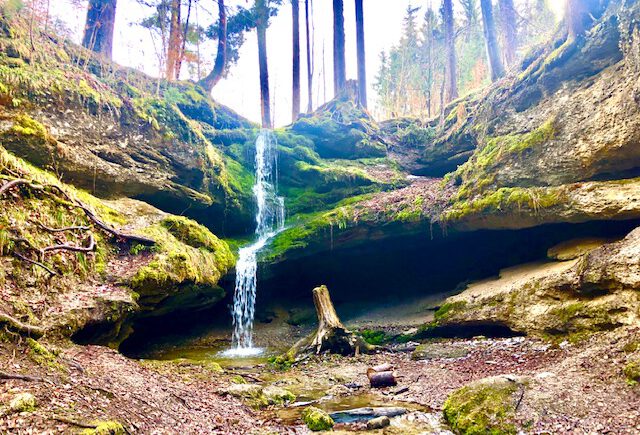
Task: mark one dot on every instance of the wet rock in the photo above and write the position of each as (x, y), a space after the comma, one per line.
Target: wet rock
(23, 402)
(437, 351)
(246, 391)
(277, 395)
(378, 423)
(316, 419)
(367, 413)
(339, 391)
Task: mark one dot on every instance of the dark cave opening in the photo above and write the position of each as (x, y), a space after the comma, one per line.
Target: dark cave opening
(381, 273)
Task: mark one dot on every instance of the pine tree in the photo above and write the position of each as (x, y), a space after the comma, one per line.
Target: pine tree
(451, 75)
(491, 41)
(295, 7)
(99, 26)
(262, 22)
(307, 16)
(339, 60)
(362, 66)
(509, 27)
(219, 67)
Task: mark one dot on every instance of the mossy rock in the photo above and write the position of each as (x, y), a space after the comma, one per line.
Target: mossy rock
(316, 419)
(187, 265)
(106, 428)
(487, 406)
(632, 372)
(572, 249)
(278, 396)
(23, 402)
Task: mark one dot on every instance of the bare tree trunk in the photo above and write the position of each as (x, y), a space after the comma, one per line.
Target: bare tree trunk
(175, 31)
(579, 15)
(309, 58)
(493, 50)
(331, 335)
(262, 23)
(509, 29)
(98, 30)
(295, 109)
(210, 81)
(183, 47)
(362, 65)
(451, 75)
(339, 60)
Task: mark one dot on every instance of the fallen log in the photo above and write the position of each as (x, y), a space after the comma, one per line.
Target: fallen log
(7, 376)
(381, 379)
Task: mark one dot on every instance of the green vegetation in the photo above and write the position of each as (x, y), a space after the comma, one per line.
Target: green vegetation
(374, 337)
(449, 309)
(632, 372)
(506, 199)
(485, 407)
(23, 402)
(478, 173)
(316, 419)
(106, 428)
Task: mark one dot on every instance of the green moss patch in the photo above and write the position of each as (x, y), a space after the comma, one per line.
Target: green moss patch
(632, 372)
(186, 254)
(484, 407)
(316, 419)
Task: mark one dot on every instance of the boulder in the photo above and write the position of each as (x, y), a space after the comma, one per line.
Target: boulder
(485, 406)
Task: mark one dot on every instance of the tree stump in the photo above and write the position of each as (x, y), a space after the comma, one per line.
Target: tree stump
(331, 335)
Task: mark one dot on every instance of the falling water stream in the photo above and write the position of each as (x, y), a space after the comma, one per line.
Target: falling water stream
(269, 222)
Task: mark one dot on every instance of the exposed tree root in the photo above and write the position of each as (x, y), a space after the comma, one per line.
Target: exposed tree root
(62, 230)
(7, 376)
(22, 328)
(72, 248)
(35, 263)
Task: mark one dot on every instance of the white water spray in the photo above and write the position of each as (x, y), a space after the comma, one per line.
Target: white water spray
(270, 221)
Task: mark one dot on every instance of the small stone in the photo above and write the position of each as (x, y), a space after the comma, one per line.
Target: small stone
(316, 419)
(339, 391)
(23, 402)
(277, 395)
(244, 390)
(378, 423)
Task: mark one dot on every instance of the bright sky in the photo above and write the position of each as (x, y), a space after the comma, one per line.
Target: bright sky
(134, 47)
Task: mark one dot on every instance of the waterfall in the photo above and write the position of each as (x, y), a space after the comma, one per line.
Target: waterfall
(269, 222)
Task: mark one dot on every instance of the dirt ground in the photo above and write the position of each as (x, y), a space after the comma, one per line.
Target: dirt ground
(572, 388)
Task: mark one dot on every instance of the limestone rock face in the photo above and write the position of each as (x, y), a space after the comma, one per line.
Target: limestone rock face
(598, 291)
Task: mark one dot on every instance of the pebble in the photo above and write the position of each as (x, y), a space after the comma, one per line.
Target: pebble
(378, 423)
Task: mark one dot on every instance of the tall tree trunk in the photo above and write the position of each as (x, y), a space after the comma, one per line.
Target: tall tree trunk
(579, 16)
(309, 57)
(261, 25)
(175, 32)
(98, 30)
(509, 30)
(216, 74)
(491, 41)
(451, 80)
(339, 60)
(183, 45)
(295, 109)
(362, 66)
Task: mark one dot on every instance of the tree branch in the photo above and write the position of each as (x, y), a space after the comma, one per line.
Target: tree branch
(22, 328)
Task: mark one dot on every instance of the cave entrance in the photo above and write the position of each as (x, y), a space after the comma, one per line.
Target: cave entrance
(415, 270)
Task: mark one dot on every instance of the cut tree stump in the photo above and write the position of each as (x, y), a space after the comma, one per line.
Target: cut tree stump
(331, 336)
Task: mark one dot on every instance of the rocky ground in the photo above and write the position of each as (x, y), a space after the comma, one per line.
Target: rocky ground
(567, 388)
